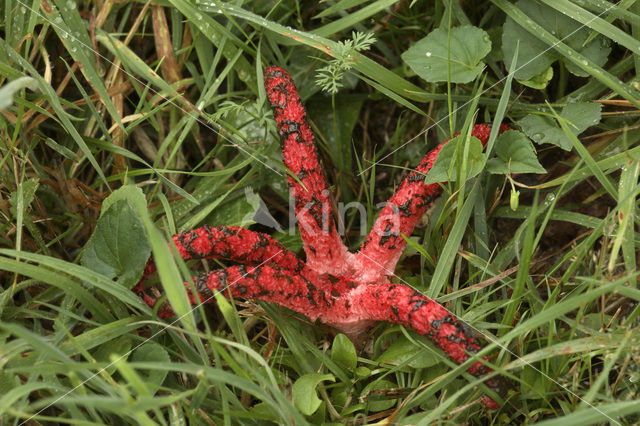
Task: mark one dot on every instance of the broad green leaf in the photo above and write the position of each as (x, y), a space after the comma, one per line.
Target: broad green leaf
(569, 54)
(600, 23)
(430, 60)
(304, 392)
(535, 56)
(444, 168)
(118, 247)
(132, 194)
(9, 90)
(343, 353)
(543, 129)
(120, 346)
(152, 352)
(516, 154)
(582, 115)
(404, 351)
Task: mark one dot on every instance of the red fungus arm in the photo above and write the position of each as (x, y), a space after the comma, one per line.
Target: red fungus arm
(384, 244)
(233, 243)
(403, 305)
(326, 253)
(225, 242)
(270, 283)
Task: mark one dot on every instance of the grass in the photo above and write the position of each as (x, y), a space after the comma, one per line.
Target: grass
(158, 111)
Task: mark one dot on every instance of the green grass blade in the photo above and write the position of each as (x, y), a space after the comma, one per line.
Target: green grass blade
(448, 255)
(352, 19)
(596, 414)
(53, 99)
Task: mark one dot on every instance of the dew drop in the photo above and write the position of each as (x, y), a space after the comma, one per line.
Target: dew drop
(428, 54)
(537, 136)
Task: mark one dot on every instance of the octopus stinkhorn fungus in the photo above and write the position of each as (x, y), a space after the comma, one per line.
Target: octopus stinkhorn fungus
(349, 291)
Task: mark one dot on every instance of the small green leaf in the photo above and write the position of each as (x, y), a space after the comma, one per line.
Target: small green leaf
(404, 351)
(376, 400)
(304, 392)
(343, 353)
(118, 247)
(289, 238)
(445, 169)
(429, 58)
(543, 129)
(240, 211)
(539, 81)
(362, 372)
(516, 154)
(263, 411)
(339, 395)
(152, 352)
